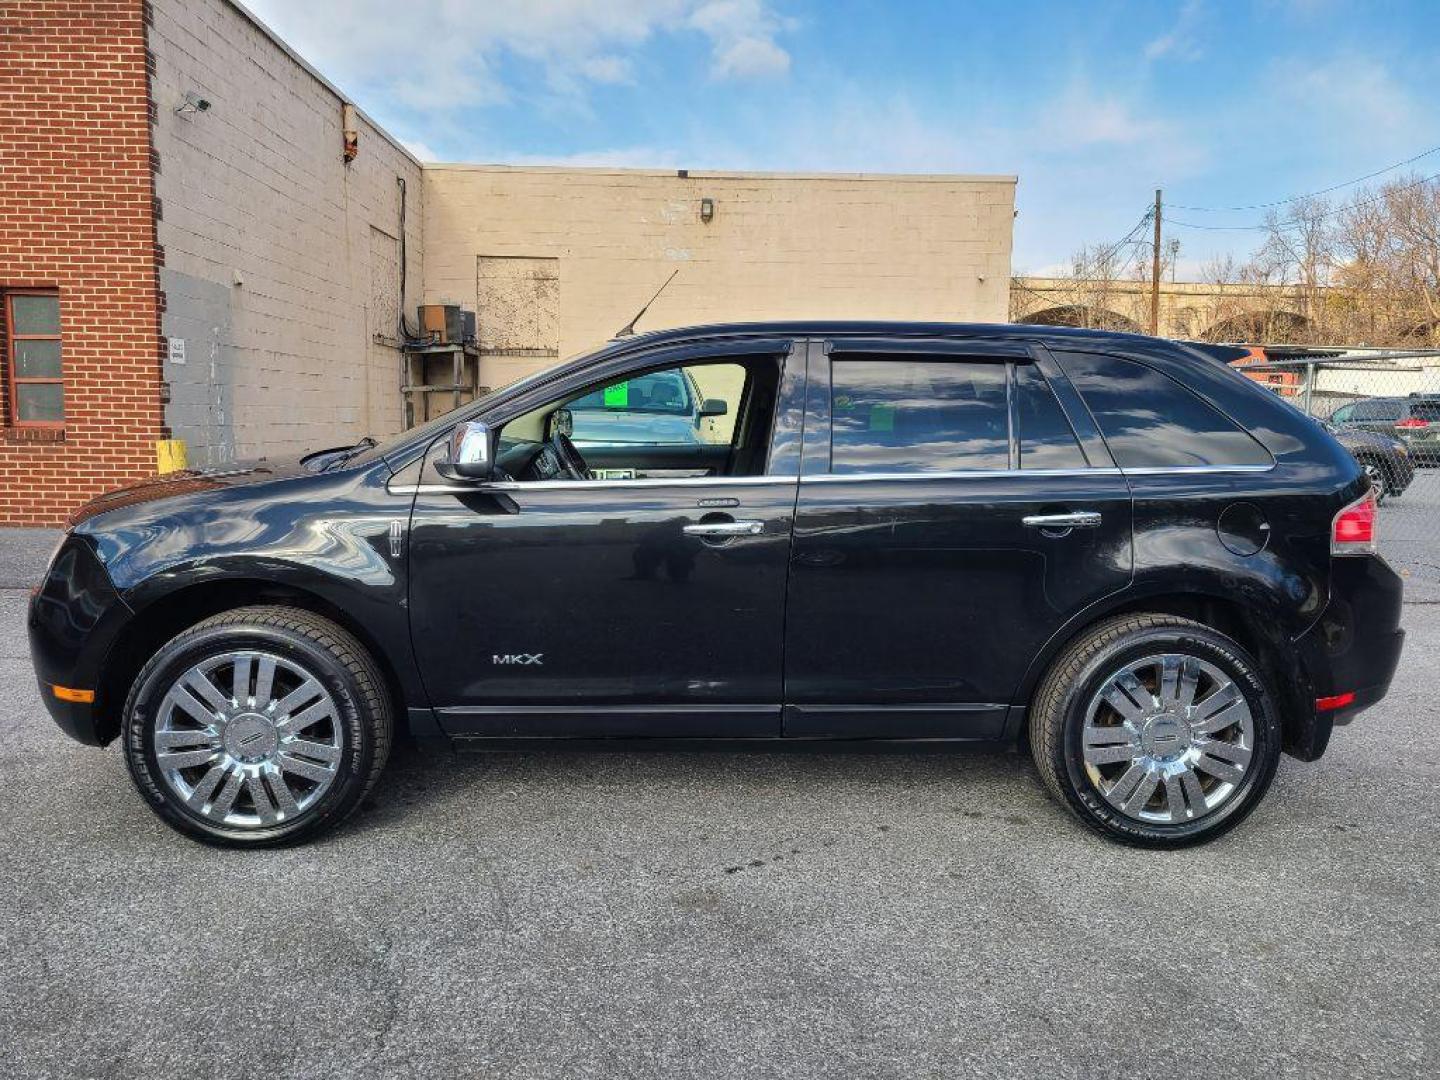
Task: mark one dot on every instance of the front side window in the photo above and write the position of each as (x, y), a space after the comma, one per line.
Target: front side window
(908, 415)
(708, 418)
(32, 359)
(1342, 415)
(677, 406)
(1150, 421)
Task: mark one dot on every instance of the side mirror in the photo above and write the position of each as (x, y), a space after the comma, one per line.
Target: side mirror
(468, 456)
(714, 406)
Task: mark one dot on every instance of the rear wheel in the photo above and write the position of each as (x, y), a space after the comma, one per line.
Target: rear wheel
(260, 726)
(1155, 730)
(1379, 478)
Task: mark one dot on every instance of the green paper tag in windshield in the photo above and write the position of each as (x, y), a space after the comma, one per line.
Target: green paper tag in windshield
(617, 396)
(882, 417)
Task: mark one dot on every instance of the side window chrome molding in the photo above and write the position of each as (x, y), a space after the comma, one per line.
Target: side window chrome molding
(968, 474)
(980, 474)
(589, 485)
(1189, 470)
(818, 478)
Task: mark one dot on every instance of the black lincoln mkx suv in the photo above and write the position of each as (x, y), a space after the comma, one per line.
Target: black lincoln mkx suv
(1109, 547)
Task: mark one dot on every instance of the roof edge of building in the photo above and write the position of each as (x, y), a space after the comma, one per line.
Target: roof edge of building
(722, 174)
(315, 74)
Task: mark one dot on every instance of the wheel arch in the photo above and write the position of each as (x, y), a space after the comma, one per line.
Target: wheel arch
(1243, 623)
(167, 615)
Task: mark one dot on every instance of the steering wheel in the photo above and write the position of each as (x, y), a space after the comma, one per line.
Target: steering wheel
(571, 462)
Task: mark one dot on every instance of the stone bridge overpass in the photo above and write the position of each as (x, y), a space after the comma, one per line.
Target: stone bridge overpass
(1187, 310)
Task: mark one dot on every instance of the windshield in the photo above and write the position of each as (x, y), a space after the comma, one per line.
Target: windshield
(657, 392)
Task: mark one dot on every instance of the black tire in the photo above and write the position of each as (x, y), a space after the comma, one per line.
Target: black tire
(1057, 718)
(335, 659)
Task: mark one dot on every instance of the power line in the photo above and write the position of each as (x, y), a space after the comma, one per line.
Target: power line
(1311, 195)
(1106, 252)
(1263, 227)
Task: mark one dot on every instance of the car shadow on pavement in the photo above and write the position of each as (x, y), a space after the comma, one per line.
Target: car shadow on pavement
(684, 787)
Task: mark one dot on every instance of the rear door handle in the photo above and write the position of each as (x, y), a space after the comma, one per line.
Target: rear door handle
(1080, 519)
(725, 528)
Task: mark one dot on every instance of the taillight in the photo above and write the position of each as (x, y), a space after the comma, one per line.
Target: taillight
(1353, 530)
(1412, 423)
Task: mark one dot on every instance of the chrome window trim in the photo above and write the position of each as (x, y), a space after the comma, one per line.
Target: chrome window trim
(589, 485)
(969, 474)
(818, 478)
(1176, 470)
(980, 474)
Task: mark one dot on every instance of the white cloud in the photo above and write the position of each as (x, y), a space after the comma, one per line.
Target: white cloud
(421, 150)
(451, 54)
(1080, 117)
(1181, 41)
(750, 58)
(606, 69)
(742, 33)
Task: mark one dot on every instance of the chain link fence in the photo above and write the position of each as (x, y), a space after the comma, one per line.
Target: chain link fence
(1384, 407)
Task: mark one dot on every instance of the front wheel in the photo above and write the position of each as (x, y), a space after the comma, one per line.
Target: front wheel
(259, 726)
(1155, 730)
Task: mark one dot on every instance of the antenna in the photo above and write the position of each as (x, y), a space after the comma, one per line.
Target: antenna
(628, 329)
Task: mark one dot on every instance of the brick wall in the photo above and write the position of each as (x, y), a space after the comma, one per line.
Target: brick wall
(76, 214)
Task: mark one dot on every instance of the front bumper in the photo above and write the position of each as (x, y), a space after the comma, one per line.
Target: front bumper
(75, 618)
(1354, 648)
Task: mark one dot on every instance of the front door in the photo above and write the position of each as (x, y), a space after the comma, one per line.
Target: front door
(645, 599)
(949, 524)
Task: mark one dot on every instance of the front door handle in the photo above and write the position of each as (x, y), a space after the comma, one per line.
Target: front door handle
(1080, 519)
(725, 528)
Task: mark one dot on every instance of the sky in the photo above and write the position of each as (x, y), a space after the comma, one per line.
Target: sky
(1093, 105)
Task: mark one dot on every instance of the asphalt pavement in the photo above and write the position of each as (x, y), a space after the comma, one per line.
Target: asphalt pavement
(722, 914)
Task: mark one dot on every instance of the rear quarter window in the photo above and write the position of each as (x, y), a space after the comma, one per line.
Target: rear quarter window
(1151, 421)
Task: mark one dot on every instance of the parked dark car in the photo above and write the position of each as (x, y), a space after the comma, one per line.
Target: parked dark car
(1414, 420)
(1132, 559)
(1385, 460)
(658, 409)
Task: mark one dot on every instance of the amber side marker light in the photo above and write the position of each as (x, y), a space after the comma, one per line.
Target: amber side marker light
(80, 697)
(1338, 701)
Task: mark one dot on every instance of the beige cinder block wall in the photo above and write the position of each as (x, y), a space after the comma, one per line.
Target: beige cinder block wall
(556, 260)
(281, 261)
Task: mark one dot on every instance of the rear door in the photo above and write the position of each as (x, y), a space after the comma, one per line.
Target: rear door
(956, 507)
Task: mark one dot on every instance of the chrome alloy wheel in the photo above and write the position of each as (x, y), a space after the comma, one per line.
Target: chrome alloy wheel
(248, 739)
(1167, 739)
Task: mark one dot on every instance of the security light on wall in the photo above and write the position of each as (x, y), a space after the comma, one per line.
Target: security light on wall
(191, 106)
(707, 210)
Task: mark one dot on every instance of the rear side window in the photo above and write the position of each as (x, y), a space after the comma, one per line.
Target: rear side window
(1046, 438)
(1151, 421)
(1428, 411)
(917, 415)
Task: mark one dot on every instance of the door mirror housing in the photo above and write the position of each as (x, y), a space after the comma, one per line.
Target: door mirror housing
(468, 456)
(714, 406)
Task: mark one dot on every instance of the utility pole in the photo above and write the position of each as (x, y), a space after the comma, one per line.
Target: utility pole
(1155, 273)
